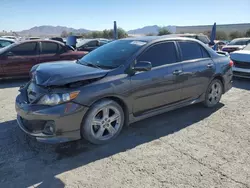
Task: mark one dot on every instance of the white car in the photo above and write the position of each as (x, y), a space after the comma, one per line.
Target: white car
(10, 37)
(241, 61)
(236, 44)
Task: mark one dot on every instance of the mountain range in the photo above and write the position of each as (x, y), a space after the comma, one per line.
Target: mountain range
(47, 30)
(228, 28)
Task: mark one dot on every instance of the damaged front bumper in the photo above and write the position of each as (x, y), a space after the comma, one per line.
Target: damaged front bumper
(50, 124)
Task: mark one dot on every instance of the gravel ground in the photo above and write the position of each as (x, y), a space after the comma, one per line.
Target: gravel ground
(188, 147)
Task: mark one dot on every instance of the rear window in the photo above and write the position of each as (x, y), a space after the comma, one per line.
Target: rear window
(191, 50)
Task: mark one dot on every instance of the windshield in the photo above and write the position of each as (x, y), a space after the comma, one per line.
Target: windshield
(239, 42)
(247, 47)
(113, 54)
(4, 49)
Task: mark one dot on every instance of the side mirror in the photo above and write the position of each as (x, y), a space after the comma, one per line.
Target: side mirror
(142, 66)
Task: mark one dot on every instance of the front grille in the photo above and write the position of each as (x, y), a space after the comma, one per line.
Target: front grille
(34, 126)
(243, 65)
(242, 74)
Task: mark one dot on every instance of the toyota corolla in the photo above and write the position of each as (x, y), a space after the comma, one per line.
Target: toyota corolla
(117, 84)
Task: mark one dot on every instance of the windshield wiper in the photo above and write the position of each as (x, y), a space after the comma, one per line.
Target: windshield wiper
(90, 64)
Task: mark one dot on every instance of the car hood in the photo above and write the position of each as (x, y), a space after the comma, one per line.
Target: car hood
(64, 72)
(241, 55)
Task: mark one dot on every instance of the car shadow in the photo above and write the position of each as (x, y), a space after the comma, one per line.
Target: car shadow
(47, 161)
(12, 83)
(241, 83)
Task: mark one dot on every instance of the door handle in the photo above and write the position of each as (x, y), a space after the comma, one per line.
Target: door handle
(177, 72)
(210, 65)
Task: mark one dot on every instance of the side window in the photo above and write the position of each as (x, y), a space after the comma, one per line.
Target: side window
(190, 50)
(160, 54)
(92, 43)
(204, 52)
(49, 48)
(24, 49)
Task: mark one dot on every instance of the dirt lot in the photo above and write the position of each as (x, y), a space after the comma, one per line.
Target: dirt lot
(189, 147)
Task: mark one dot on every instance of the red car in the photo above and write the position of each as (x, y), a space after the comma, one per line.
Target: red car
(17, 59)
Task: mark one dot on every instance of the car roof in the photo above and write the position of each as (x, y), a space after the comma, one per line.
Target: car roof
(160, 38)
(39, 40)
(243, 38)
(7, 39)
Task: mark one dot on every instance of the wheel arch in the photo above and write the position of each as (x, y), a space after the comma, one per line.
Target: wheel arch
(120, 101)
(220, 77)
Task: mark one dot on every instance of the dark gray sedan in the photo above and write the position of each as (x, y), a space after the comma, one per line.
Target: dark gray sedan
(119, 83)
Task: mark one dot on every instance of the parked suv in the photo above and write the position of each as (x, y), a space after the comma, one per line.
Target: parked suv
(119, 83)
(17, 59)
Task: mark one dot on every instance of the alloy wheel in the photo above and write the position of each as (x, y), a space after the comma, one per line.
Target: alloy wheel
(214, 94)
(105, 123)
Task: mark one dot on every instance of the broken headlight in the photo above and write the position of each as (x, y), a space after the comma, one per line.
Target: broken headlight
(54, 99)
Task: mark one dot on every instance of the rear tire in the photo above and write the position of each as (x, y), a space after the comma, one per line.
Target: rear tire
(103, 122)
(213, 93)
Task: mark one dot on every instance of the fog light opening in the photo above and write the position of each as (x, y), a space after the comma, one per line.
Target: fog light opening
(49, 128)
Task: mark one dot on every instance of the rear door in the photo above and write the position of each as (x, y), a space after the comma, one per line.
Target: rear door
(18, 60)
(49, 51)
(160, 86)
(198, 69)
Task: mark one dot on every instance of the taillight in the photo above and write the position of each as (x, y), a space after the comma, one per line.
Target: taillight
(231, 63)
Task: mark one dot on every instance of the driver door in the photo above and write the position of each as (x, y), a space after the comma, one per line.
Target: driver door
(161, 86)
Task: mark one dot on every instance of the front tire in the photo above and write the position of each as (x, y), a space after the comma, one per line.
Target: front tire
(103, 122)
(213, 93)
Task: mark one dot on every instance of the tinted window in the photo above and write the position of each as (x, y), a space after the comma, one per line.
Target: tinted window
(92, 43)
(190, 50)
(49, 48)
(28, 48)
(160, 54)
(204, 52)
(113, 54)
